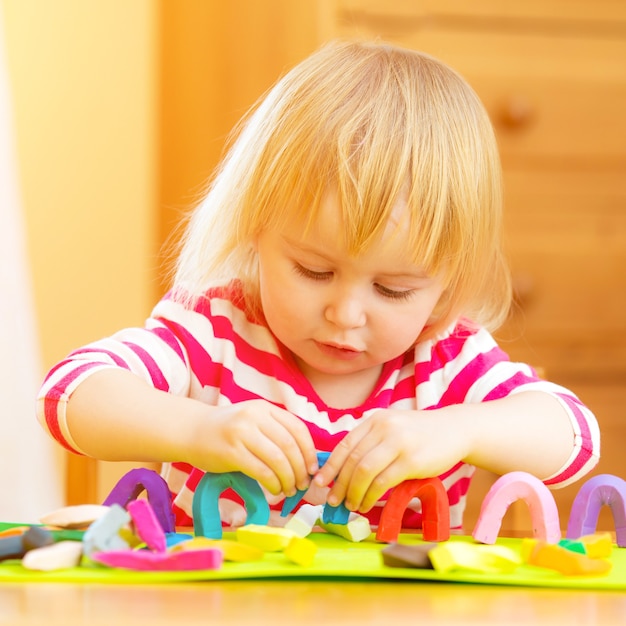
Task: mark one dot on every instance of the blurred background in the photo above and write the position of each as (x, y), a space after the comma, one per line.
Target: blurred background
(115, 113)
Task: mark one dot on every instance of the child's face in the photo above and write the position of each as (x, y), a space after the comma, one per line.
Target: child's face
(340, 315)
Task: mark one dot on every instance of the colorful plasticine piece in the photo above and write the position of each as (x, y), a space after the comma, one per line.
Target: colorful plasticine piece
(13, 531)
(233, 550)
(301, 551)
(57, 556)
(147, 525)
(402, 555)
(573, 544)
(266, 538)
(509, 488)
(600, 490)
(158, 493)
(450, 556)
(305, 519)
(104, 534)
(598, 545)
(330, 514)
(435, 510)
(144, 560)
(16, 546)
(77, 516)
(357, 529)
(552, 556)
(206, 515)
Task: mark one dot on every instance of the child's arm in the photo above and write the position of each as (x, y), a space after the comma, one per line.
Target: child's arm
(528, 431)
(114, 415)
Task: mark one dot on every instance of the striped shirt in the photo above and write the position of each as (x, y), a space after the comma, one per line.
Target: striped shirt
(218, 354)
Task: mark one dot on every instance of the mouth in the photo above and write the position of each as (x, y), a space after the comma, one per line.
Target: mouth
(338, 351)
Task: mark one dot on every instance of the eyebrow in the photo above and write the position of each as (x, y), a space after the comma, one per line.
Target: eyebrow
(420, 275)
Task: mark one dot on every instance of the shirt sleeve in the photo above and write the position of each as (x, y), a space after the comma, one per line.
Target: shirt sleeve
(156, 353)
(477, 370)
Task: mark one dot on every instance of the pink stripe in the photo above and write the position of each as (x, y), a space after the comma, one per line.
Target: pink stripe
(586, 450)
(114, 357)
(53, 397)
(156, 375)
(506, 387)
(170, 340)
(475, 370)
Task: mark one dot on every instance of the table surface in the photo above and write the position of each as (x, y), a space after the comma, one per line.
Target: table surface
(305, 602)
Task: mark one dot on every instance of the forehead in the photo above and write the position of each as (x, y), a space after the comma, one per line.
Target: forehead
(328, 227)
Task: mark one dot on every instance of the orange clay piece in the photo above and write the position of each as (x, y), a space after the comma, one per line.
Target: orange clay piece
(435, 510)
(552, 556)
(12, 532)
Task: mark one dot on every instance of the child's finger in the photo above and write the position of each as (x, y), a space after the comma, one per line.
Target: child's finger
(274, 453)
(372, 458)
(297, 443)
(338, 459)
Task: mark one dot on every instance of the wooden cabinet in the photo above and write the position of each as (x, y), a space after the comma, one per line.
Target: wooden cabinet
(552, 75)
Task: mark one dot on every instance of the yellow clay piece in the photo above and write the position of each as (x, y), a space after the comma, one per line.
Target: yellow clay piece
(449, 556)
(357, 529)
(130, 538)
(562, 560)
(301, 550)
(233, 550)
(598, 545)
(266, 538)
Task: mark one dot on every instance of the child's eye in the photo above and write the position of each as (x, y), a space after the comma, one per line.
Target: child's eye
(312, 274)
(393, 294)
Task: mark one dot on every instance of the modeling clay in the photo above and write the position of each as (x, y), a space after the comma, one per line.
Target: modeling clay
(61, 555)
(402, 555)
(301, 551)
(357, 529)
(206, 516)
(11, 547)
(13, 531)
(600, 490)
(16, 546)
(232, 550)
(331, 514)
(450, 556)
(144, 560)
(598, 545)
(435, 510)
(266, 538)
(146, 524)
(509, 488)
(573, 544)
(551, 556)
(305, 519)
(76, 516)
(158, 493)
(104, 533)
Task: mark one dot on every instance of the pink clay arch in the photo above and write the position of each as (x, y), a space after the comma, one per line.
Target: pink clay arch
(509, 488)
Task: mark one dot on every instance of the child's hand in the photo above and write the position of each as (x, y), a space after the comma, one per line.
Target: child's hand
(388, 448)
(259, 439)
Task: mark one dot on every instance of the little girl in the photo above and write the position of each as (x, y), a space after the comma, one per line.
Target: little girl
(335, 291)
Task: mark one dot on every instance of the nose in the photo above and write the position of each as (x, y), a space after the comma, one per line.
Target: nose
(346, 310)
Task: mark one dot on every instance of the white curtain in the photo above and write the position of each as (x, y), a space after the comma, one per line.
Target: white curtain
(30, 462)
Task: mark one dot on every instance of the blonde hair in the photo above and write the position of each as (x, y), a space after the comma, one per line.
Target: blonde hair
(375, 122)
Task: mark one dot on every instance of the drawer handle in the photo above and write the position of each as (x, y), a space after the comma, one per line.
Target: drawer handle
(517, 112)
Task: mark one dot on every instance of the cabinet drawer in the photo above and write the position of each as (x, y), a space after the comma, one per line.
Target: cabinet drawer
(550, 98)
(607, 15)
